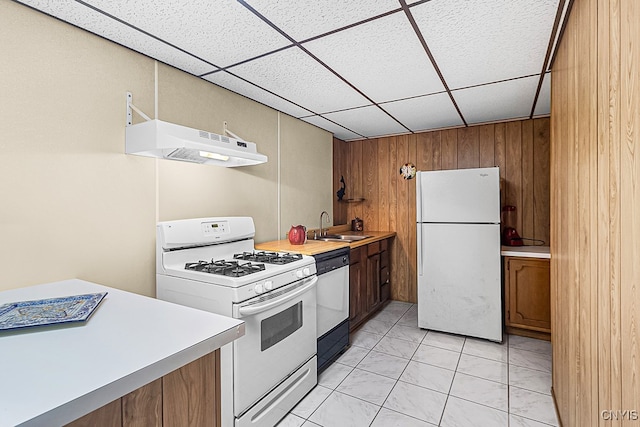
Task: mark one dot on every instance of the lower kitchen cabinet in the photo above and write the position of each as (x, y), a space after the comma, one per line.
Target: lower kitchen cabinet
(368, 280)
(189, 396)
(373, 277)
(357, 291)
(385, 271)
(527, 297)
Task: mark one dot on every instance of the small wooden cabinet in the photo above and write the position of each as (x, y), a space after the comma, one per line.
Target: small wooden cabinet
(527, 297)
(368, 280)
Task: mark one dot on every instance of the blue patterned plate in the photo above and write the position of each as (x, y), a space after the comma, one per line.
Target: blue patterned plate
(25, 314)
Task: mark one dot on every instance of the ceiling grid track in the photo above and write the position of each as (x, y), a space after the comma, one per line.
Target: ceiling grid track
(546, 65)
(305, 50)
(297, 105)
(146, 33)
(569, 5)
(414, 25)
(319, 36)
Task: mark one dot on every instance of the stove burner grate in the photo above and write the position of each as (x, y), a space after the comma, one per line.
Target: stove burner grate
(225, 268)
(268, 257)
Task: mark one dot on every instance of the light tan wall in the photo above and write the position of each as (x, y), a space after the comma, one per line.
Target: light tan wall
(595, 215)
(72, 204)
(310, 151)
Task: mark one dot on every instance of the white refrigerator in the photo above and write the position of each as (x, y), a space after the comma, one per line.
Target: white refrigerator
(459, 273)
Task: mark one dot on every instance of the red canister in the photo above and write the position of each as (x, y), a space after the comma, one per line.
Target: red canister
(297, 234)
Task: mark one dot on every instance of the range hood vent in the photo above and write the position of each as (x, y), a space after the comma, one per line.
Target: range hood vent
(155, 138)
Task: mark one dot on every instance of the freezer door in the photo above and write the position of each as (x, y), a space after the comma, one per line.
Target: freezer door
(464, 195)
(459, 280)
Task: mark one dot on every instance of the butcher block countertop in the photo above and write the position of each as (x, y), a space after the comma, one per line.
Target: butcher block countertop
(53, 375)
(314, 247)
(311, 247)
(526, 251)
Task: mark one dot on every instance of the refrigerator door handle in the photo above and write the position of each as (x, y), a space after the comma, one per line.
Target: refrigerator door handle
(419, 251)
(419, 221)
(419, 197)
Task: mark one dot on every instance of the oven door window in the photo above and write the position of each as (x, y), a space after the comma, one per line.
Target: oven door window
(279, 326)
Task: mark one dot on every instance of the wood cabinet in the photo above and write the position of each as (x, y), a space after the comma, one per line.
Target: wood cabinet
(357, 291)
(189, 396)
(368, 276)
(527, 297)
(373, 277)
(385, 272)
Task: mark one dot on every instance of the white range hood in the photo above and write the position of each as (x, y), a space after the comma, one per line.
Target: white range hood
(155, 138)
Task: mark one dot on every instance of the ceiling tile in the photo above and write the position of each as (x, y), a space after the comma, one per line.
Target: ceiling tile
(95, 22)
(369, 121)
(249, 90)
(479, 41)
(543, 106)
(222, 32)
(297, 77)
(425, 112)
(338, 131)
(505, 100)
(303, 19)
(382, 58)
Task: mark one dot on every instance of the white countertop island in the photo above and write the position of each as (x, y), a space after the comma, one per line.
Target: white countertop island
(526, 251)
(53, 375)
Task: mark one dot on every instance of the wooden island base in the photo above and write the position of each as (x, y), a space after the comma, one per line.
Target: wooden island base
(189, 396)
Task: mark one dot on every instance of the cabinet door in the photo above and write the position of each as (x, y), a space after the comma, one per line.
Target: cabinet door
(190, 395)
(529, 305)
(355, 285)
(373, 282)
(385, 274)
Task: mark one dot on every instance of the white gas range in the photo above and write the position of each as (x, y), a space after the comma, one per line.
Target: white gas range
(211, 264)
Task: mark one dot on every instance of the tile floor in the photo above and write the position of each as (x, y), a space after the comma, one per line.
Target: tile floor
(395, 374)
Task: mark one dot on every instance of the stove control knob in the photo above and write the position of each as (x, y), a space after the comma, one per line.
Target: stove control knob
(259, 288)
(299, 274)
(306, 271)
(268, 285)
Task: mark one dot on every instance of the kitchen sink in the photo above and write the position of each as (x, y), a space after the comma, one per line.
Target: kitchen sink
(348, 238)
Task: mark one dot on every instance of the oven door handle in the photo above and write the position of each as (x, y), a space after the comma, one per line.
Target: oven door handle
(250, 310)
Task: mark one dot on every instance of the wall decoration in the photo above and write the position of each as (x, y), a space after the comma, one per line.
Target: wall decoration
(408, 171)
(341, 191)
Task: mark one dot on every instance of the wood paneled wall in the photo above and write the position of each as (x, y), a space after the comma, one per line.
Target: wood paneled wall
(371, 171)
(595, 215)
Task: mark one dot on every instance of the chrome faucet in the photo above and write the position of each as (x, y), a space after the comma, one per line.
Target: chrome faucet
(321, 216)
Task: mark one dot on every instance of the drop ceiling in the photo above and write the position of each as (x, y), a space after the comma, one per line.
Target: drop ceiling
(358, 68)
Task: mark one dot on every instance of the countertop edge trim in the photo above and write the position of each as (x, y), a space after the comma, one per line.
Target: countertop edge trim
(525, 255)
(373, 239)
